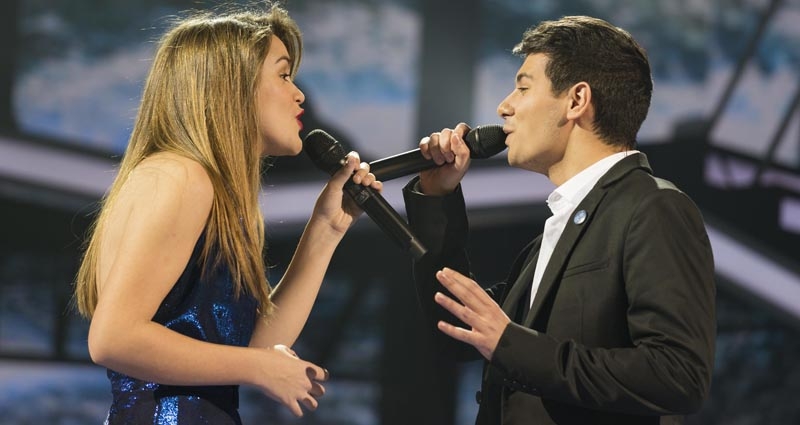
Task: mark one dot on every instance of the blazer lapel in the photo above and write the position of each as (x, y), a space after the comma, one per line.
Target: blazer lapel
(575, 228)
(523, 282)
(570, 236)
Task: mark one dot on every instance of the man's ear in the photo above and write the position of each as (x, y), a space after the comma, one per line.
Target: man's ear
(580, 101)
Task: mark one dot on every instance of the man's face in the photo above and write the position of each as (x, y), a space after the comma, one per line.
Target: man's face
(535, 119)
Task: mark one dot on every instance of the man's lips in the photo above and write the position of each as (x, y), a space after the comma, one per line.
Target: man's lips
(508, 132)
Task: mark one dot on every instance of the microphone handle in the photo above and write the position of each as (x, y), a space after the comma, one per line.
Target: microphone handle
(400, 165)
(386, 218)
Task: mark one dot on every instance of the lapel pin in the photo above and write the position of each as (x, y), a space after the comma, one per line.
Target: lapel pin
(579, 217)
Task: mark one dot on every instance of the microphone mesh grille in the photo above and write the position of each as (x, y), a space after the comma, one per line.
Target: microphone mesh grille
(325, 152)
(486, 141)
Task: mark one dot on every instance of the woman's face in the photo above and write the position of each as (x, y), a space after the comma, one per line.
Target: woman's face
(278, 103)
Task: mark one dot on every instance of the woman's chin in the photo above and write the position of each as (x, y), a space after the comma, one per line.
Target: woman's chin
(283, 150)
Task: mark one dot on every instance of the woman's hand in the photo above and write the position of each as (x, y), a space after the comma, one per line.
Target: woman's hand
(337, 208)
(290, 380)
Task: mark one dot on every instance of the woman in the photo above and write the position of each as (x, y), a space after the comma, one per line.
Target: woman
(173, 277)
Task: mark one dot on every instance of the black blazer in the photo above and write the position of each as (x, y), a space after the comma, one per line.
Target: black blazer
(622, 327)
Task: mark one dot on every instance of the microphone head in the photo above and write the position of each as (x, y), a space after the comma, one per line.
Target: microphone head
(325, 152)
(485, 141)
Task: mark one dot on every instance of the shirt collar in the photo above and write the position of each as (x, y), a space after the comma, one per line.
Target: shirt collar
(572, 192)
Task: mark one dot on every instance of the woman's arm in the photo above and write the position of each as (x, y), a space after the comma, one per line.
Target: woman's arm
(295, 294)
(144, 247)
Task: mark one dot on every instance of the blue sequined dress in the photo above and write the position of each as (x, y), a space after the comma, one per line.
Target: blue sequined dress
(202, 306)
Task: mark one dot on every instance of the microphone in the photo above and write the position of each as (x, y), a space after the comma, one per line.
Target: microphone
(328, 155)
(483, 142)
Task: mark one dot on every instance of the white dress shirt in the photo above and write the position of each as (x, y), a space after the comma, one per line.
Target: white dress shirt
(562, 202)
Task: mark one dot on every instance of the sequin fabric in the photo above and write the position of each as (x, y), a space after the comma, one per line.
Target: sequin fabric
(201, 306)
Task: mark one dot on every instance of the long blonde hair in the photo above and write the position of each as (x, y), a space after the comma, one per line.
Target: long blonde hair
(199, 102)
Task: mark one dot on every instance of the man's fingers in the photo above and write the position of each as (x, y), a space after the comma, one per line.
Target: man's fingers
(435, 148)
(462, 129)
(463, 288)
(424, 147)
(446, 144)
(456, 309)
(455, 332)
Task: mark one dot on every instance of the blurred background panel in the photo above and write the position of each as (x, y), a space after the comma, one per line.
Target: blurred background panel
(378, 75)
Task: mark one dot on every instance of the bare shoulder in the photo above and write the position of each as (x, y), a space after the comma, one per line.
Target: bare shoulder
(175, 168)
(157, 215)
(165, 191)
(171, 174)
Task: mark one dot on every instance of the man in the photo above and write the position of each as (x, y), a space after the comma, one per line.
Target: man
(608, 316)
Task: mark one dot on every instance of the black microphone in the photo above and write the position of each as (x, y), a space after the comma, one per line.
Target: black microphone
(483, 142)
(328, 155)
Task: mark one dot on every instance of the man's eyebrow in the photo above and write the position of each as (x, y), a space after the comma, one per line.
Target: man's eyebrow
(523, 75)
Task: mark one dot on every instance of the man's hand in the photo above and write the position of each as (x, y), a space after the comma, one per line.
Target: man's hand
(448, 150)
(479, 311)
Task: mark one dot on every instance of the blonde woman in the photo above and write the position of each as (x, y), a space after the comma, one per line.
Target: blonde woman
(173, 277)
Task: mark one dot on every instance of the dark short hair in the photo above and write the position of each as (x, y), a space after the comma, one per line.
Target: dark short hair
(583, 48)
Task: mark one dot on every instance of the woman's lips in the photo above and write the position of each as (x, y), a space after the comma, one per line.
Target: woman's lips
(299, 121)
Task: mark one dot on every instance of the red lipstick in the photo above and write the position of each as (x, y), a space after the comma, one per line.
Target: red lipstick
(299, 122)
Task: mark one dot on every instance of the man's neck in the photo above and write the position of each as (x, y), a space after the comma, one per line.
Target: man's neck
(579, 155)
